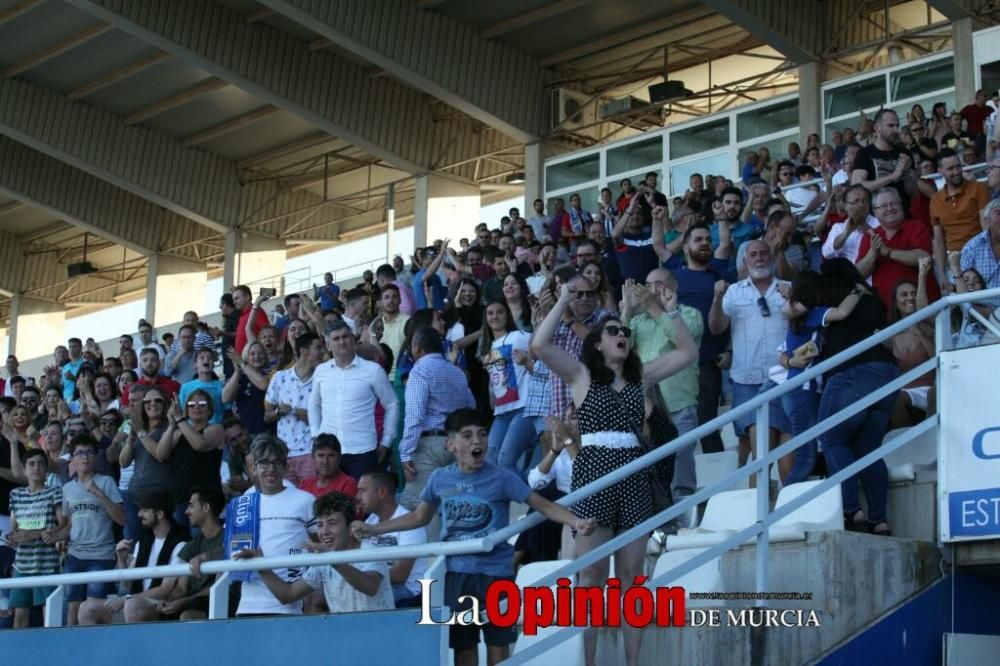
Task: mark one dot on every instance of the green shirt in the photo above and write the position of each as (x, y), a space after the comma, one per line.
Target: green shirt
(655, 337)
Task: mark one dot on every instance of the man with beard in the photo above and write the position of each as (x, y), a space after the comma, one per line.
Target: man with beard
(696, 272)
(753, 308)
(739, 230)
(883, 163)
(149, 370)
(955, 211)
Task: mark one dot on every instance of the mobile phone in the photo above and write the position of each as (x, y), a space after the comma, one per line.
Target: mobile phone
(268, 292)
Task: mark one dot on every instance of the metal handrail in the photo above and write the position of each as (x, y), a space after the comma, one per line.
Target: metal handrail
(757, 466)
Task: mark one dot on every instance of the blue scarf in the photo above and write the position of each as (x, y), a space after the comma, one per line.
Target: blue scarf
(242, 528)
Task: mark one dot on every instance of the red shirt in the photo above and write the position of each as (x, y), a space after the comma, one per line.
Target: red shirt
(165, 384)
(975, 116)
(342, 483)
(260, 321)
(912, 235)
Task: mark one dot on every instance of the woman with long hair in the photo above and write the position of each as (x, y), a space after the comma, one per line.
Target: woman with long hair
(247, 387)
(129, 360)
(911, 348)
(503, 350)
(937, 125)
(466, 313)
(515, 293)
(146, 426)
(850, 382)
(594, 272)
(193, 448)
(609, 385)
(293, 329)
(102, 396)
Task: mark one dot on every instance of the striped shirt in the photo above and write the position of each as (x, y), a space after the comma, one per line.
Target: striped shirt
(978, 254)
(35, 511)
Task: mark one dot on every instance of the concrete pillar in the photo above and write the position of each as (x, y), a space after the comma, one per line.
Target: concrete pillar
(965, 64)
(444, 208)
(534, 177)
(173, 286)
(810, 101)
(253, 260)
(36, 327)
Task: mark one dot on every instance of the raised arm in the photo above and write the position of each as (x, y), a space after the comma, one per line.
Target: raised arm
(437, 261)
(568, 368)
(618, 233)
(718, 322)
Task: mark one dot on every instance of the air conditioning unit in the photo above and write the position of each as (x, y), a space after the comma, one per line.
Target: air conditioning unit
(569, 109)
(616, 107)
(667, 91)
(81, 268)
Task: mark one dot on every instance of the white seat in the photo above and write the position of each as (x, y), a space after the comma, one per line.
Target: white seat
(710, 467)
(567, 653)
(906, 461)
(706, 578)
(727, 513)
(823, 514)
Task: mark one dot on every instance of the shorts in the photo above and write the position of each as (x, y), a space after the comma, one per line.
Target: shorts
(776, 415)
(89, 590)
(458, 584)
(622, 505)
(27, 597)
(918, 396)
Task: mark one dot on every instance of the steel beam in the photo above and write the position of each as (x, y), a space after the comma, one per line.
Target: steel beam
(43, 56)
(780, 23)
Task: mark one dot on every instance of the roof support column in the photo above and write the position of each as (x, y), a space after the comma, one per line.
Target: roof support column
(810, 101)
(444, 208)
(534, 178)
(36, 327)
(253, 260)
(965, 65)
(173, 286)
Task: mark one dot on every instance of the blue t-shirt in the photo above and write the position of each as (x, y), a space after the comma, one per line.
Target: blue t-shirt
(636, 256)
(474, 506)
(214, 389)
(437, 288)
(69, 385)
(741, 233)
(697, 289)
(328, 296)
(813, 321)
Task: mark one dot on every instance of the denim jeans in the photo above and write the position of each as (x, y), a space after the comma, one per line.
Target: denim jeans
(860, 434)
(132, 523)
(801, 407)
(684, 482)
(511, 435)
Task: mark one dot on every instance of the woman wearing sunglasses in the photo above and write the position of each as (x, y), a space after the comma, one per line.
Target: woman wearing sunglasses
(146, 426)
(608, 384)
(193, 448)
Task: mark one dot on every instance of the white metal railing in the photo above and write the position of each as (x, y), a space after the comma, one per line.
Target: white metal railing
(759, 466)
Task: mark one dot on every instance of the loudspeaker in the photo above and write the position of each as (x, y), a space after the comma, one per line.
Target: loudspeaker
(81, 268)
(668, 90)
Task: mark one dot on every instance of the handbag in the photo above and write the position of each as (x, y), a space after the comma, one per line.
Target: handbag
(662, 497)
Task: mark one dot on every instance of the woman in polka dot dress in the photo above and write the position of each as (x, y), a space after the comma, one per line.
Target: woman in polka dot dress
(608, 384)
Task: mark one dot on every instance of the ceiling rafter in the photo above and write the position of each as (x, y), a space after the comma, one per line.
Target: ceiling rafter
(525, 19)
(13, 12)
(46, 54)
(116, 76)
(210, 84)
(284, 150)
(223, 128)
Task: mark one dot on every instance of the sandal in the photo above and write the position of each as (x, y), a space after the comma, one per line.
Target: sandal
(873, 527)
(856, 522)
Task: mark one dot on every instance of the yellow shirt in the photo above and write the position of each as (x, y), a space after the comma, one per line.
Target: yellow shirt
(393, 337)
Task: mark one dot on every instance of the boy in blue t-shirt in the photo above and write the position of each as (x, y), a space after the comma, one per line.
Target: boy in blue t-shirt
(474, 496)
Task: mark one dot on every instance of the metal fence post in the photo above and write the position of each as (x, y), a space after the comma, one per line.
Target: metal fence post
(218, 598)
(55, 607)
(763, 442)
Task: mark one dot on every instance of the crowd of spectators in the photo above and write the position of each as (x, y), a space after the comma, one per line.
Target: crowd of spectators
(528, 361)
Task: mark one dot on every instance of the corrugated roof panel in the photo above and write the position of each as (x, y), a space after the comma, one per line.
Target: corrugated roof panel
(275, 130)
(44, 26)
(159, 81)
(205, 111)
(89, 61)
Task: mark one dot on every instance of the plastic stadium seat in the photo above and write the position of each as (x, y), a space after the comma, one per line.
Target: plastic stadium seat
(706, 578)
(727, 512)
(822, 514)
(920, 454)
(710, 467)
(567, 653)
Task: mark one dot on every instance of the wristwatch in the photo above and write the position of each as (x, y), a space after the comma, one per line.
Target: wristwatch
(675, 313)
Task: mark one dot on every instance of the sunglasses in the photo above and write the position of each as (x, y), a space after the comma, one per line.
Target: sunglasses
(765, 309)
(584, 294)
(154, 401)
(84, 453)
(613, 330)
(197, 403)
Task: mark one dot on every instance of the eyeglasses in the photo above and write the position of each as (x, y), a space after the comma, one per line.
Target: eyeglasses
(584, 255)
(614, 330)
(198, 403)
(84, 453)
(153, 401)
(765, 309)
(270, 464)
(887, 206)
(584, 294)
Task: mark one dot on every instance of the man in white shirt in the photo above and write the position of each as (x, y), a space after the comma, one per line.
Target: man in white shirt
(844, 239)
(345, 391)
(377, 498)
(356, 300)
(753, 307)
(286, 523)
(287, 402)
(147, 340)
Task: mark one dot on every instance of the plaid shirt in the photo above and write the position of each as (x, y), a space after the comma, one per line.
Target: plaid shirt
(978, 254)
(538, 400)
(435, 388)
(567, 339)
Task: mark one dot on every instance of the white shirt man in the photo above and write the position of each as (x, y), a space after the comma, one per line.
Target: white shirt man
(345, 391)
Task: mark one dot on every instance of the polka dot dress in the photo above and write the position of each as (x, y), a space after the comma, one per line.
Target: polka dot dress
(630, 501)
